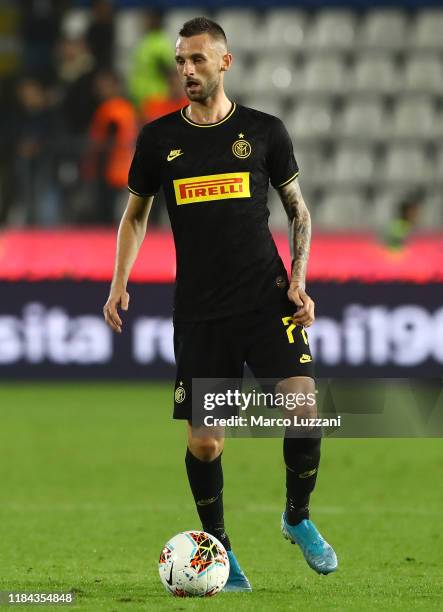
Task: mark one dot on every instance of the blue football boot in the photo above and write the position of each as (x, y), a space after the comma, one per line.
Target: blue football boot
(319, 555)
(237, 581)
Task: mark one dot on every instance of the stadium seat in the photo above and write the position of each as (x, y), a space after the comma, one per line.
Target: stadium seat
(278, 219)
(341, 209)
(386, 205)
(431, 214)
(266, 104)
(363, 120)
(274, 75)
(332, 30)
(175, 18)
(324, 75)
(235, 78)
(314, 164)
(407, 164)
(384, 29)
(241, 27)
(427, 32)
(439, 168)
(284, 30)
(375, 74)
(310, 121)
(438, 125)
(354, 165)
(424, 74)
(413, 118)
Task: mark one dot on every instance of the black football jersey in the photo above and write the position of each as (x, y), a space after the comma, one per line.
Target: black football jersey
(215, 179)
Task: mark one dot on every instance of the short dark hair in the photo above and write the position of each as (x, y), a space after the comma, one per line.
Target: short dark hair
(203, 25)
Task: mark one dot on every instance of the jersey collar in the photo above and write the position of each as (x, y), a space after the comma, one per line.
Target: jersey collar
(208, 125)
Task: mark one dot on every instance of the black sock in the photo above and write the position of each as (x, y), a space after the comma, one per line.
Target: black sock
(206, 480)
(302, 457)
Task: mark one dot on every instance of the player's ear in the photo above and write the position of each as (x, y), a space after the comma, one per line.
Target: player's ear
(226, 62)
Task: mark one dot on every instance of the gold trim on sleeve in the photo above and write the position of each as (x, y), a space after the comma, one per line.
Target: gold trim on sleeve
(294, 176)
(140, 195)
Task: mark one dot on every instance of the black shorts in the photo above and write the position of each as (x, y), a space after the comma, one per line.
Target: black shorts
(266, 340)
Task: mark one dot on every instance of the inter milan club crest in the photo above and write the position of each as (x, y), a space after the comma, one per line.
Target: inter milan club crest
(180, 394)
(241, 148)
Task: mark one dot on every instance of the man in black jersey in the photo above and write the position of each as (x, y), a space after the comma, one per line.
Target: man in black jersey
(233, 302)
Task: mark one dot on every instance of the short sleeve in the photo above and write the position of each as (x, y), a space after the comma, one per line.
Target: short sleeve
(281, 162)
(144, 173)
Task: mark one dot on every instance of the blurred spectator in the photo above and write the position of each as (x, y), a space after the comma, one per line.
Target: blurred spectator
(34, 129)
(77, 102)
(161, 104)
(404, 223)
(152, 61)
(100, 35)
(40, 30)
(112, 136)
(76, 71)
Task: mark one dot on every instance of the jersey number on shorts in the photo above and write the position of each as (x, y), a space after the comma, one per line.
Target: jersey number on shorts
(287, 322)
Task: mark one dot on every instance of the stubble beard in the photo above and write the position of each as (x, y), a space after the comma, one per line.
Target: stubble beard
(205, 92)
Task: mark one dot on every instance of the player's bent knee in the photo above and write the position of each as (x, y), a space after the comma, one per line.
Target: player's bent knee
(300, 397)
(205, 449)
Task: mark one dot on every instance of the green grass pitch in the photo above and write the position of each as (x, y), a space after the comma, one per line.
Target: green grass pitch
(93, 484)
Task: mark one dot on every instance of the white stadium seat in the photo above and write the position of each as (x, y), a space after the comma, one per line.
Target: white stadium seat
(439, 168)
(428, 29)
(309, 121)
(363, 120)
(332, 30)
(387, 200)
(324, 75)
(384, 29)
(424, 74)
(407, 164)
(354, 165)
(274, 75)
(240, 27)
(375, 74)
(413, 118)
(431, 214)
(341, 209)
(284, 30)
(235, 77)
(278, 219)
(266, 104)
(314, 164)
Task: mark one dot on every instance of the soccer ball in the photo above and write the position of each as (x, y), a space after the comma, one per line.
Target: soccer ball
(193, 564)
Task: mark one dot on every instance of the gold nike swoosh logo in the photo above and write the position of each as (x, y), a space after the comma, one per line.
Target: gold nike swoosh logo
(173, 154)
(305, 358)
(308, 473)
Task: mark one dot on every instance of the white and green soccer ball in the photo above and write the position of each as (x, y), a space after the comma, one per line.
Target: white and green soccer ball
(193, 564)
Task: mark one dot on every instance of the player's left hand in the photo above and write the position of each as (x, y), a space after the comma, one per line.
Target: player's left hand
(305, 314)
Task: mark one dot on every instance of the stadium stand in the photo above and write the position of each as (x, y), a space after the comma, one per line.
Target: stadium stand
(360, 92)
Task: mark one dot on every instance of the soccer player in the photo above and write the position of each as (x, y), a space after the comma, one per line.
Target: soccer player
(233, 302)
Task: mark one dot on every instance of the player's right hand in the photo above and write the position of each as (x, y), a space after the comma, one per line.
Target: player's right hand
(117, 297)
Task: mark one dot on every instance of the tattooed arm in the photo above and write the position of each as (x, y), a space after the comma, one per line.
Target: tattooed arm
(300, 240)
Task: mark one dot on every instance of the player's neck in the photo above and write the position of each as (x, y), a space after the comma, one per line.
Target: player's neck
(211, 111)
